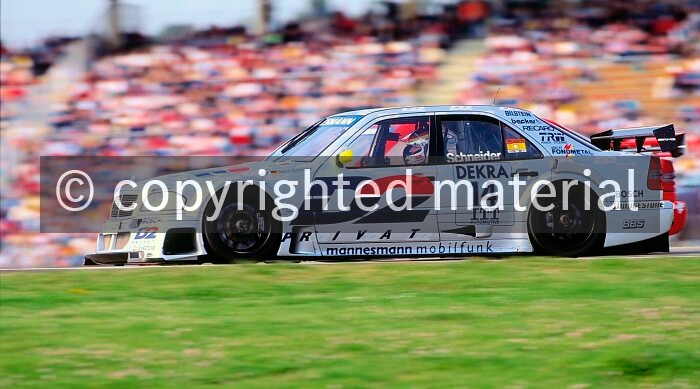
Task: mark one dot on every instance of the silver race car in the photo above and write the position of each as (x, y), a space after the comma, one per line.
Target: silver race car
(407, 182)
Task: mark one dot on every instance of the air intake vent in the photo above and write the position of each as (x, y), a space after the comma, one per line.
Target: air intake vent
(127, 201)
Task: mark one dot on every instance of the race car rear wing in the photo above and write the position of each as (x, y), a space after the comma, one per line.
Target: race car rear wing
(665, 134)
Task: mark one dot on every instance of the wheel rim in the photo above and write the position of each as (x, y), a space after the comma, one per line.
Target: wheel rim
(241, 230)
(564, 229)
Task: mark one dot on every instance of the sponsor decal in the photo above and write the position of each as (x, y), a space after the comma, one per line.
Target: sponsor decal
(385, 235)
(523, 121)
(632, 224)
(551, 137)
(395, 250)
(478, 172)
(630, 193)
(144, 221)
(516, 146)
(461, 157)
(640, 205)
(150, 220)
(568, 150)
(339, 121)
(441, 248)
(518, 113)
(522, 117)
(536, 128)
(146, 233)
(303, 237)
(483, 216)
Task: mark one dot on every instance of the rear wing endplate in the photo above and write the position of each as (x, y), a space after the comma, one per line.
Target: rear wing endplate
(665, 134)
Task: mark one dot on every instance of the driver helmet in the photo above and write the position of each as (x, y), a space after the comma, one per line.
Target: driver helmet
(416, 150)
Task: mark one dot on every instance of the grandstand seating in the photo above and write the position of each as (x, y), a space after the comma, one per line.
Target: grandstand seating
(646, 83)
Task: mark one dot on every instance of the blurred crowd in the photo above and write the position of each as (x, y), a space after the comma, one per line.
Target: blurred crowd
(212, 92)
(539, 57)
(223, 91)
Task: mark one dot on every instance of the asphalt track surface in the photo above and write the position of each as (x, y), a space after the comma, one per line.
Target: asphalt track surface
(677, 252)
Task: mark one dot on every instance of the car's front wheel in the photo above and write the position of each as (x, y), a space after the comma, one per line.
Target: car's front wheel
(240, 233)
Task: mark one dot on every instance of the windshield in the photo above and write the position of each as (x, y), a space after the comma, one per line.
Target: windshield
(312, 141)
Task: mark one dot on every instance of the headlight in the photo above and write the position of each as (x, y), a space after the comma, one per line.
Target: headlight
(156, 198)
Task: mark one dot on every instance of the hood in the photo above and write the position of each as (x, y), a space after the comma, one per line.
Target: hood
(271, 170)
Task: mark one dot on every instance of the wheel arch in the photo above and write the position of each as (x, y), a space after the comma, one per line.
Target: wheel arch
(251, 186)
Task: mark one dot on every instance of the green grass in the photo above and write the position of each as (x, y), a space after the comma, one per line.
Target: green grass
(479, 323)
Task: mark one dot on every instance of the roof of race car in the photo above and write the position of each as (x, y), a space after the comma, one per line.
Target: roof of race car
(426, 108)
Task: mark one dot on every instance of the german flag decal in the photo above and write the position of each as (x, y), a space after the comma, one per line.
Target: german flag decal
(516, 145)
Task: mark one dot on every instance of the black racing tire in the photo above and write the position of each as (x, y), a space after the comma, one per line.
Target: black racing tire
(572, 231)
(241, 235)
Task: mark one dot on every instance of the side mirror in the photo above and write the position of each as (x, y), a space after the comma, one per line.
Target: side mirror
(344, 158)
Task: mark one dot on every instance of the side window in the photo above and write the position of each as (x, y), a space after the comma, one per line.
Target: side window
(471, 138)
(517, 147)
(361, 146)
(393, 142)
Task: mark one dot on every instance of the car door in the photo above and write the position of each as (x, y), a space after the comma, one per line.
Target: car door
(388, 185)
(484, 154)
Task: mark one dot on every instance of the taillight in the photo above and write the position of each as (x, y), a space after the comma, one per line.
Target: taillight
(668, 175)
(654, 181)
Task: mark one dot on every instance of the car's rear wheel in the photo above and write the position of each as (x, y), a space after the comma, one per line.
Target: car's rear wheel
(567, 228)
(245, 234)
